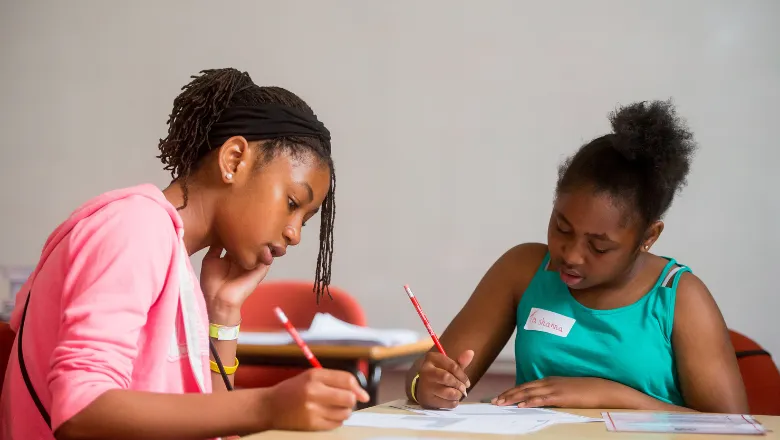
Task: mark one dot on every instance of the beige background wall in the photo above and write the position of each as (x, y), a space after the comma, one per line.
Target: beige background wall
(449, 119)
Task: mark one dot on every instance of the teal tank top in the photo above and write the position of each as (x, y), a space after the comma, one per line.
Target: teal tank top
(558, 336)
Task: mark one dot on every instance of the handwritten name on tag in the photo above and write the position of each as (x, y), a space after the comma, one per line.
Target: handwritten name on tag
(541, 320)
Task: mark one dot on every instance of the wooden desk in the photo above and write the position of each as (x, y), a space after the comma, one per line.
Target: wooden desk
(339, 357)
(572, 431)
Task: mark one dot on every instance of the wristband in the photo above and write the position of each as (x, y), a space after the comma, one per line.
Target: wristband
(224, 333)
(228, 370)
(414, 388)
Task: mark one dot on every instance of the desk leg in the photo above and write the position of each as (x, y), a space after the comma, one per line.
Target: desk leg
(374, 376)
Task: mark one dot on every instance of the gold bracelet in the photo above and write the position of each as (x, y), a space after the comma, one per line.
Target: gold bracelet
(228, 370)
(414, 387)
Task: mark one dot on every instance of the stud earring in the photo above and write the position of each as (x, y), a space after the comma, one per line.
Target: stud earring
(647, 247)
(228, 176)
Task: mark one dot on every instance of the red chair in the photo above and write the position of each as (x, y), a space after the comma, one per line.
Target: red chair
(299, 303)
(759, 374)
(7, 337)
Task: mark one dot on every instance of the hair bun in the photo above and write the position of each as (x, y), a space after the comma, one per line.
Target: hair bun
(651, 131)
(651, 134)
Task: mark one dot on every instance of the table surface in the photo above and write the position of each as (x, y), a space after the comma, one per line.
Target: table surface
(595, 430)
(344, 352)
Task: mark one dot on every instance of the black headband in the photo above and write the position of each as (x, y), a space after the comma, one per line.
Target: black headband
(266, 121)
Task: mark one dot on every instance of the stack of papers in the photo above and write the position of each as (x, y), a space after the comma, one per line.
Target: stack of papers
(471, 418)
(327, 329)
(683, 423)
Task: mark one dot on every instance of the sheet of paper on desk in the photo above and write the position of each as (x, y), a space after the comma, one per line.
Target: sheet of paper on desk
(682, 423)
(476, 425)
(327, 329)
(416, 437)
(487, 409)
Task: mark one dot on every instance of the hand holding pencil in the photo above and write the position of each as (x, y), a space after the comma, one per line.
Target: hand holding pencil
(317, 399)
(442, 381)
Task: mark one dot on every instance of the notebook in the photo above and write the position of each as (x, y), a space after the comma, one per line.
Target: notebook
(683, 423)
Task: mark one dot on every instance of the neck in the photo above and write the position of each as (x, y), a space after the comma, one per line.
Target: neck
(195, 216)
(632, 271)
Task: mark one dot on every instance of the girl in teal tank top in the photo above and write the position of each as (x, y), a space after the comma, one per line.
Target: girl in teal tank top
(600, 321)
(630, 345)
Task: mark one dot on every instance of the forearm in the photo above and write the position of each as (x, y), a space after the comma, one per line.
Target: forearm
(124, 414)
(227, 354)
(227, 316)
(630, 398)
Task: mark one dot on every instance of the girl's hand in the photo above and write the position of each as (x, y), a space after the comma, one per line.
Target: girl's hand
(317, 399)
(564, 392)
(226, 285)
(443, 381)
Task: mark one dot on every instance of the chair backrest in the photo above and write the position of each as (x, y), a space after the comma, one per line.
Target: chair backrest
(297, 300)
(759, 374)
(7, 337)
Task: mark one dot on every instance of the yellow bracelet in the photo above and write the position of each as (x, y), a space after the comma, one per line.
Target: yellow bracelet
(228, 370)
(414, 387)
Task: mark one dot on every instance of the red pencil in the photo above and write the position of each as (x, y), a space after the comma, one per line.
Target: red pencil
(424, 319)
(294, 333)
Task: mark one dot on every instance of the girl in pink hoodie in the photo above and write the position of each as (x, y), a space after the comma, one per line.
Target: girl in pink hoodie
(113, 327)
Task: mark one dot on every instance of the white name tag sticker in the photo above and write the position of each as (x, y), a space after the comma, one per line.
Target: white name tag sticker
(541, 320)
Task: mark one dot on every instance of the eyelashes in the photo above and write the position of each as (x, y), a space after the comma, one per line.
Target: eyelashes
(590, 245)
(293, 205)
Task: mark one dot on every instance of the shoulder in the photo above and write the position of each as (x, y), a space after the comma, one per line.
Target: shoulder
(692, 294)
(695, 308)
(135, 222)
(524, 257)
(519, 264)
(135, 213)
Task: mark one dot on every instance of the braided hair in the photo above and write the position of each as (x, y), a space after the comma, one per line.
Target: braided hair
(200, 105)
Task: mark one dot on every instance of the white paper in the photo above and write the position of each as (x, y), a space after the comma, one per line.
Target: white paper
(487, 409)
(325, 328)
(416, 437)
(477, 425)
(683, 423)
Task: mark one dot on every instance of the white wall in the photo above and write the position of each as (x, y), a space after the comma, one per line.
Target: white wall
(449, 119)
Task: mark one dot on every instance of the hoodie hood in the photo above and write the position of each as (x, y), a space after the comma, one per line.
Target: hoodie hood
(85, 211)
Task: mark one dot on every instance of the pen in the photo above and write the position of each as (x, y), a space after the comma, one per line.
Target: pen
(424, 320)
(294, 333)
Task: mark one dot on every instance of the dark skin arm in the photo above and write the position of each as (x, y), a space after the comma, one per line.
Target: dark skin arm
(706, 363)
(317, 399)
(478, 332)
(122, 414)
(581, 392)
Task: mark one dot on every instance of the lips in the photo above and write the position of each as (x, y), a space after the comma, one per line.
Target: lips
(266, 256)
(277, 251)
(570, 277)
(270, 252)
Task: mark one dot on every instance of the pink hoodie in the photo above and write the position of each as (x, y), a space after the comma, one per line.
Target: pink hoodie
(106, 313)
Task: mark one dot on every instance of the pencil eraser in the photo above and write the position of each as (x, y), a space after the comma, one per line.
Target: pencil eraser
(280, 314)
